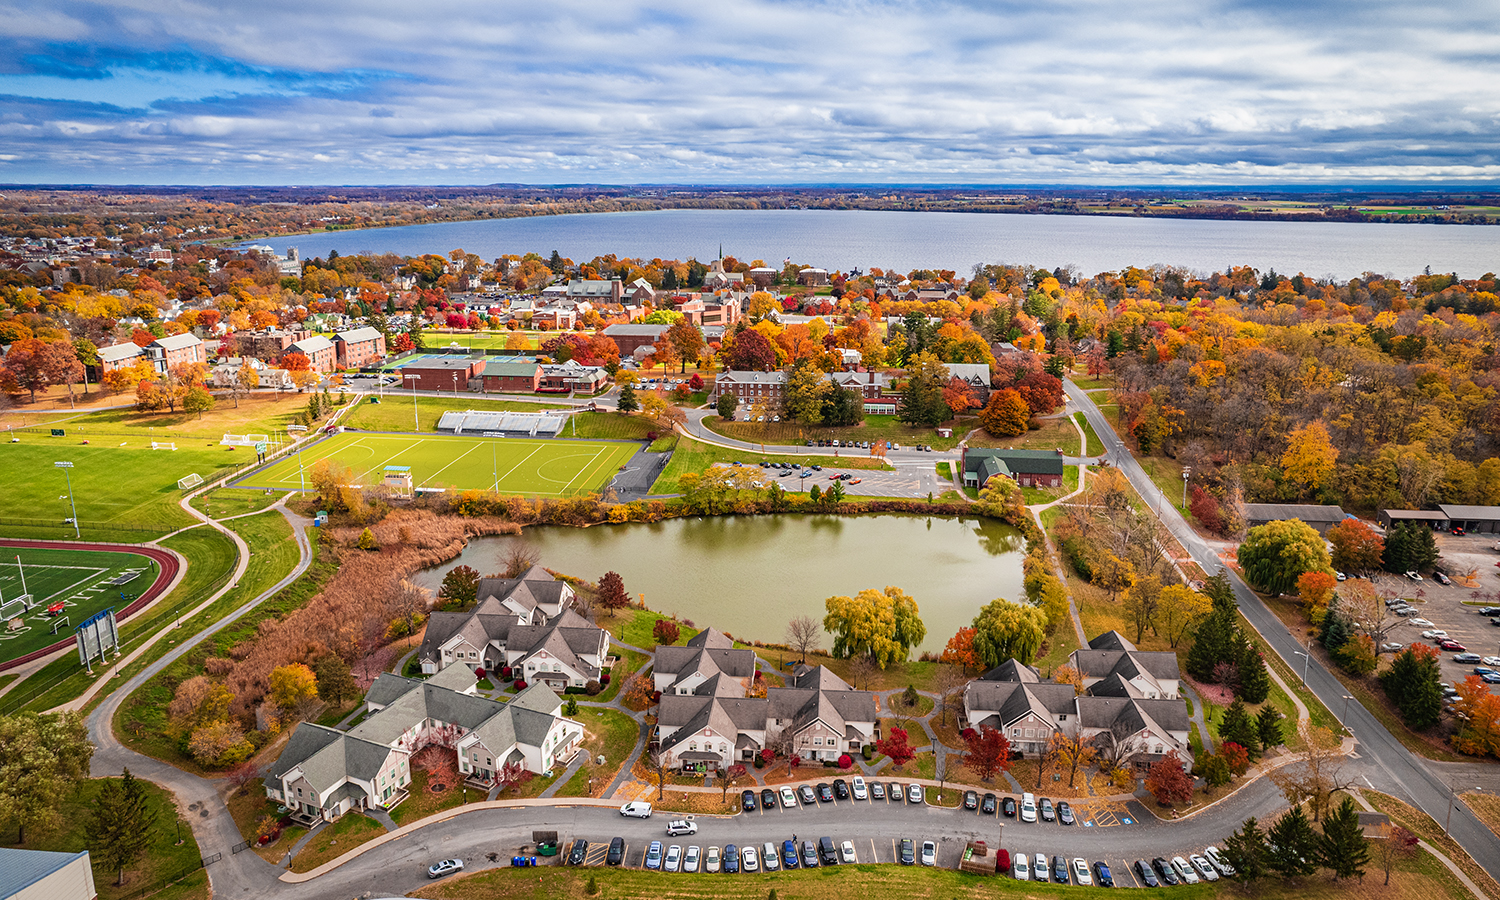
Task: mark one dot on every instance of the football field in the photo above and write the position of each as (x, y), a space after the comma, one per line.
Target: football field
(83, 581)
(544, 468)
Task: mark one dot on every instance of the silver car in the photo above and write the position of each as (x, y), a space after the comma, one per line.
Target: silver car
(914, 793)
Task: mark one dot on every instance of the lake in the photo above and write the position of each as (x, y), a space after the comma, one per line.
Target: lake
(846, 239)
(750, 575)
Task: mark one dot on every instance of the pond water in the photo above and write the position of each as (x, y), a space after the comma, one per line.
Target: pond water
(750, 575)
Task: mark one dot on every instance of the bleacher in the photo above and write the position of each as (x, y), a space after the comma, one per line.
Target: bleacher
(502, 424)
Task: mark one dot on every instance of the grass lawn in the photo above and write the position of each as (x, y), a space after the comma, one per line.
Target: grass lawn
(1095, 446)
(629, 663)
(115, 488)
(76, 578)
(1053, 434)
(394, 411)
(549, 468)
(1486, 807)
(267, 414)
(335, 840)
(874, 428)
(1060, 645)
(164, 861)
(897, 707)
(633, 626)
(1166, 474)
(225, 502)
(1035, 496)
(695, 456)
(423, 803)
(608, 732)
(615, 426)
(1430, 830)
(248, 805)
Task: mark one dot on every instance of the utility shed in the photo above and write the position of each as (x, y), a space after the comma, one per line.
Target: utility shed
(41, 875)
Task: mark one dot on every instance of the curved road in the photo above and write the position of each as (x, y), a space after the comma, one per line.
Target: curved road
(1404, 773)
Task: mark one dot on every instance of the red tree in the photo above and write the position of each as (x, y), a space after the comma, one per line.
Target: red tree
(402, 342)
(1042, 392)
(1205, 508)
(296, 362)
(1168, 782)
(666, 631)
(960, 650)
(896, 747)
(751, 352)
(1236, 756)
(988, 753)
(612, 595)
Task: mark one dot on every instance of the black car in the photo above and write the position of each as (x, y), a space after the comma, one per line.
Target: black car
(1009, 807)
(579, 852)
(768, 799)
(987, 804)
(616, 853)
(1048, 813)
(828, 854)
(1144, 873)
(747, 801)
(907, 855)
(1102, 877)
(1059, 870)
(971, 800)
(731, 861)
(1165, 870)
(1489, 610)
(825, 793)
(1064, 812)
(841, 789)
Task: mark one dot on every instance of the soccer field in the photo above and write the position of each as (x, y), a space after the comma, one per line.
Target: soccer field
(544, 468)
(79, 579)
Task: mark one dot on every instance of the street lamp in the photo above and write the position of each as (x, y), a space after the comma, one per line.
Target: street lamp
(1345, 717)
(1306, 657)
(65, 466)
(1186, 471)
(417, 425)
(1452, 802)
(301, 478)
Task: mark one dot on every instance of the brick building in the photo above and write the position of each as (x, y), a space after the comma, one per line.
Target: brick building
(630, 338)
(180, 349)
(359, 347)
(319, 351)
(442, 374)
(269, 343)
(510, 376)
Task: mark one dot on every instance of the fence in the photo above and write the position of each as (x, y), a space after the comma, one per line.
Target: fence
(160, 884)
(240, 847)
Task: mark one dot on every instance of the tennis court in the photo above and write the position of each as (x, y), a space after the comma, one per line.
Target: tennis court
(545, 468)
(83, 581)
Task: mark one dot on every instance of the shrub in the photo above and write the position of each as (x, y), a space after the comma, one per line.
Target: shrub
(604, 679)
(846, 761)
(593, 687)
(520, 684)
(479, 673)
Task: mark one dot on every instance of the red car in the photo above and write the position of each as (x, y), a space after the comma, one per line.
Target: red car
(1458, 531)
(1454, 646)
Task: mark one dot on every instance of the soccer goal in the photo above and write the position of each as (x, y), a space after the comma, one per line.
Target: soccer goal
(188, 482)
(163, 445)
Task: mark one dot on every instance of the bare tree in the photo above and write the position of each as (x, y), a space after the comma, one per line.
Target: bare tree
(660, 759)
(1398, 844)
(520, 558)
(410, 604)
(949, 685)
(1111, 747)
(861, 669)
(803, 634)
(781, 743)
(1363, 603)
(1318, 773)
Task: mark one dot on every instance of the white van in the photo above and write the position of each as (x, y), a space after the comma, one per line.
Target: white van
(1028, 807)
(639, 809)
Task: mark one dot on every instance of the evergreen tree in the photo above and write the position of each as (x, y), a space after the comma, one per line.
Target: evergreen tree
(1237, 727)
(1292, 848)
(1336, 631)
(314, 407)
(1344, 847)
(1409, 546)
(1221, 592)
(1255, 682)
(627, 402)
(122, 824)
(1414, 682)
(1246, 851)
(1215, 771)
(1268, 728)
(1213, 643)
(335, 682)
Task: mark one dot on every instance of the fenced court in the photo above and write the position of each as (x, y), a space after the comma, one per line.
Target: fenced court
(84, 582)
(544, 468)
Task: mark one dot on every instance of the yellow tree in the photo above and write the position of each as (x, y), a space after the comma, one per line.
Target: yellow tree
(1179, 609)
(1070, 753)
(292, 685)
(1310, 456)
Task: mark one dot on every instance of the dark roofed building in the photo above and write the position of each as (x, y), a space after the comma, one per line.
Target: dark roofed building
(1319, 517)
(479, 638)
(1027, 468)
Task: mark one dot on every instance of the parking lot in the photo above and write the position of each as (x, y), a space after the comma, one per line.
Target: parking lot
(1455, 608)
(908, 481)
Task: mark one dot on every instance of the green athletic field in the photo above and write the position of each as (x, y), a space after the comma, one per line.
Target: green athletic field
(77, 578)
(546, 468)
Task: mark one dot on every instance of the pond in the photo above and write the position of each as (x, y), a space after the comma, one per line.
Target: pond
(750, 575)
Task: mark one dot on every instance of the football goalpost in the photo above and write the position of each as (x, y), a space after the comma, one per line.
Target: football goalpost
(163, 445)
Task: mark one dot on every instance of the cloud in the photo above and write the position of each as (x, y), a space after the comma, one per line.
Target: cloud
(351, 91)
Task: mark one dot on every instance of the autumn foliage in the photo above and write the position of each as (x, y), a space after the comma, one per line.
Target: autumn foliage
(1006, 414)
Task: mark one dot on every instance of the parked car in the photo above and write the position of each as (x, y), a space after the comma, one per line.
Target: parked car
(653, 855)
(1452, 646)
(929, 853)
(1020, 867)
(747, 801)
(1440, 578)
(691, 858)
(825, 793)
(749, 860)
(1102, 875)
(841, 789)
(1421, 623)
(1048, 813)
(1184, 870)
(636, 809)
(860, 791)
(679, 827)
(914, 793)
(1146, 874)
(877, 790)
(1081, 873)
(1489, 610)
(1491, 678)
(1064, 812)
(579, 852)
(828, 854)
(1059, 870)
(807, 795)
(712, 860)
(767, 799)
(988, 805)
(906, 854)
(809, 855)
(896, 792)
(1458, 530)
(1413, 576)
(731, 860)
(846, 853)
(1217, 860)
(1391, 647)
(789, 854)
(1468, 658)
(770, 860)
(1164, 869)
(971, 799)
(672, 862)
(1205, 870)
(616, 854)
(445, 867)
(1028, 808)
(1009, 807)
(1491, 660)
(788, 798)
(1433, 633)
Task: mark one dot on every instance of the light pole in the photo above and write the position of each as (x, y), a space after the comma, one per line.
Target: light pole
(1186, 471)
(1452, 802)
(1305, 658)
(1345, 717)
(301, 478)
(455, 385)
(66, 466)
(416, 424)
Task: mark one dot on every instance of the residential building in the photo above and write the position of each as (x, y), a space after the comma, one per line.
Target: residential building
(268, 343)
(452, 374)
(321, 354)
(640, 291)
(1113, 667)
(721, 311)
(512, 376)
(692, 668)
(120, 356)
(177, 350)
(630, 338)
(1474, 519)
(812, 276)
(1013, 699)
(565, 651)
(359, 347)
(46, 875)
(480, 637)
(1027, 468)
(556, 317)
(750, 387)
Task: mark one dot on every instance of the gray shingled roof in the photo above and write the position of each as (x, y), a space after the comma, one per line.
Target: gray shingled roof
(1011, 670)
(1111, 640)
(357, 335)
(1307, 512)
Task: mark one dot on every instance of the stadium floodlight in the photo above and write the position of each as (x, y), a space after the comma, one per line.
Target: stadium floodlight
(301, 478)
(416, 423)
(65, 466)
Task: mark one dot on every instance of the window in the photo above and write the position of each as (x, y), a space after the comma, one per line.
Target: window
(1015, 732)
(1062, 718)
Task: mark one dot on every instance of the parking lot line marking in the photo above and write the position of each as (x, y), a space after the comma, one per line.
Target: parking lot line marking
(874, 857)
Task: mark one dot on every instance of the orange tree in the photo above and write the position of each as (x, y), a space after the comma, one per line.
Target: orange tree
(1005, 415)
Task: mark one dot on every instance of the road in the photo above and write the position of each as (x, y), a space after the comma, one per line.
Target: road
(1397, 770)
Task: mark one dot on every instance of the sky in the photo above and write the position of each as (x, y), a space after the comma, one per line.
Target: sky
(764, 92)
